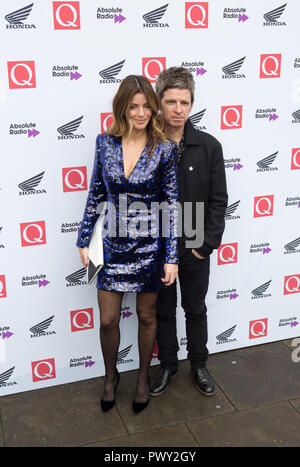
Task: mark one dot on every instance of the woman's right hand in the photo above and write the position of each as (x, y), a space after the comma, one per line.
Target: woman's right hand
(84, 256)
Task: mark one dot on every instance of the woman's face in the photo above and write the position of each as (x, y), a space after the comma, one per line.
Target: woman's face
(139, 113)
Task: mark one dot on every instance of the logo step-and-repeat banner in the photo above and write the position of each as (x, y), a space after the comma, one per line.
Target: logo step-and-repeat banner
(61, 65)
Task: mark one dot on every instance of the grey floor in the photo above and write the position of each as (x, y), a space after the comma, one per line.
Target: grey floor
(257, 403)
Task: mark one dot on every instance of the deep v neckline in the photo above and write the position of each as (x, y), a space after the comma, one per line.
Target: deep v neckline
(122, 160)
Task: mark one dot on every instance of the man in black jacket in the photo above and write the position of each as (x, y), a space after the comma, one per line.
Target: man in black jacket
(202, 180)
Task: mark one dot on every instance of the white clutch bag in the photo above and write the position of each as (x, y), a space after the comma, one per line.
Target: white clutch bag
(95, 253)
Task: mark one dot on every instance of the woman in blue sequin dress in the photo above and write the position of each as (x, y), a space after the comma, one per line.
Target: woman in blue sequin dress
(135, 169)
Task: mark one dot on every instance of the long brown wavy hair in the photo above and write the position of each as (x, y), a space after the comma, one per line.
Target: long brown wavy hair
(121, 126)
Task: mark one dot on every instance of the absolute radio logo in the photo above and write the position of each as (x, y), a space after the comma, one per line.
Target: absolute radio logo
(5, 332)
(16, 18)
(28, 187)
(67, 131)
(152, 18)
(82, 320)
(295, 162)
(43, 370)
(125, 313)
(272, 17)
(258, 328)
(152, 66)
(3, 292)
(21, 75)
(68, 227)
(233, 163)
(195, 66)
(66, 15)
(33, 233)
(231, 117)
(228, 293)
(109, 74)
(263, 206)
(263, 247)
(270, 66)
(269, 113)
(297, 62)
(66, 71)
(292, 201)
(36, 279)
(227, 253)
(196, 15)
(29, 129)
(238, 13)
(196, 118)
(265, 164)
(74, 179)
(291, 322)
(231, 71)
(106, 120)
(110, 14)
(291, 284)
(85, 362)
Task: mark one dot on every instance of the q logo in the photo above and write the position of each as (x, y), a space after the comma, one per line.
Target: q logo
(66, 15)
(33, 233)
(295, 159)
(82, 320)
(196, 15)
(43, 369)
(231, 117)
(152, 67)
(227, 253)
(270, 66)
(74, 179)
(258, 328)
(3, 293)
(21, 75)
(291, 284)
(106, 120)
(263, 206)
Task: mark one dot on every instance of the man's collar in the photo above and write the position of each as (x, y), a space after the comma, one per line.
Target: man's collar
(191, 137)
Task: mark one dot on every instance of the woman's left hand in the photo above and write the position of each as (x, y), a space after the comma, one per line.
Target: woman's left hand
(171, 273)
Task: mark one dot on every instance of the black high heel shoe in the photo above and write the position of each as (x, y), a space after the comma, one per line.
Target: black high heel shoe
(139, 406)
(107, 405)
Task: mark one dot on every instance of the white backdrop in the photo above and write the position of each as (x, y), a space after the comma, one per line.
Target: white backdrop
(61, 64)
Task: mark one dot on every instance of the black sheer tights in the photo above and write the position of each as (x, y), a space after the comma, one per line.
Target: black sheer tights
(110, 313)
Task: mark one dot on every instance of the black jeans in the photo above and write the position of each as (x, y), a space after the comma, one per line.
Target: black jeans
(193, 279)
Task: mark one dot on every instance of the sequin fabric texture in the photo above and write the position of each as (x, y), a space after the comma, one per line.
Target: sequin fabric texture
(134, 248)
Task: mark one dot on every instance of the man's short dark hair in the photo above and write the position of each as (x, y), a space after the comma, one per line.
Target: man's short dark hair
(175, 77)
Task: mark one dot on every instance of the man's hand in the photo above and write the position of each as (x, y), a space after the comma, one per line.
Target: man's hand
(171, 272)
(84, 256)
(197, 254)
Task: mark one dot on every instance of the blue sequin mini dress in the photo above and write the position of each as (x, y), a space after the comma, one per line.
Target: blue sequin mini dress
(134, 249)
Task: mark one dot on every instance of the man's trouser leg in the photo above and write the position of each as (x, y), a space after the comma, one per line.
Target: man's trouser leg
(166, 328)
(194, 278)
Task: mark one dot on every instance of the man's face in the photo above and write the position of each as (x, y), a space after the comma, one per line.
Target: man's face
(175, 107)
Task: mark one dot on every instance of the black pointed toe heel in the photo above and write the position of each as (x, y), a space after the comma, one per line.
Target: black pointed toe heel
(107, 405)
(139, 406)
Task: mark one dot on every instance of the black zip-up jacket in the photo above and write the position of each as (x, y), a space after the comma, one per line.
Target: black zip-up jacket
(202, 178)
